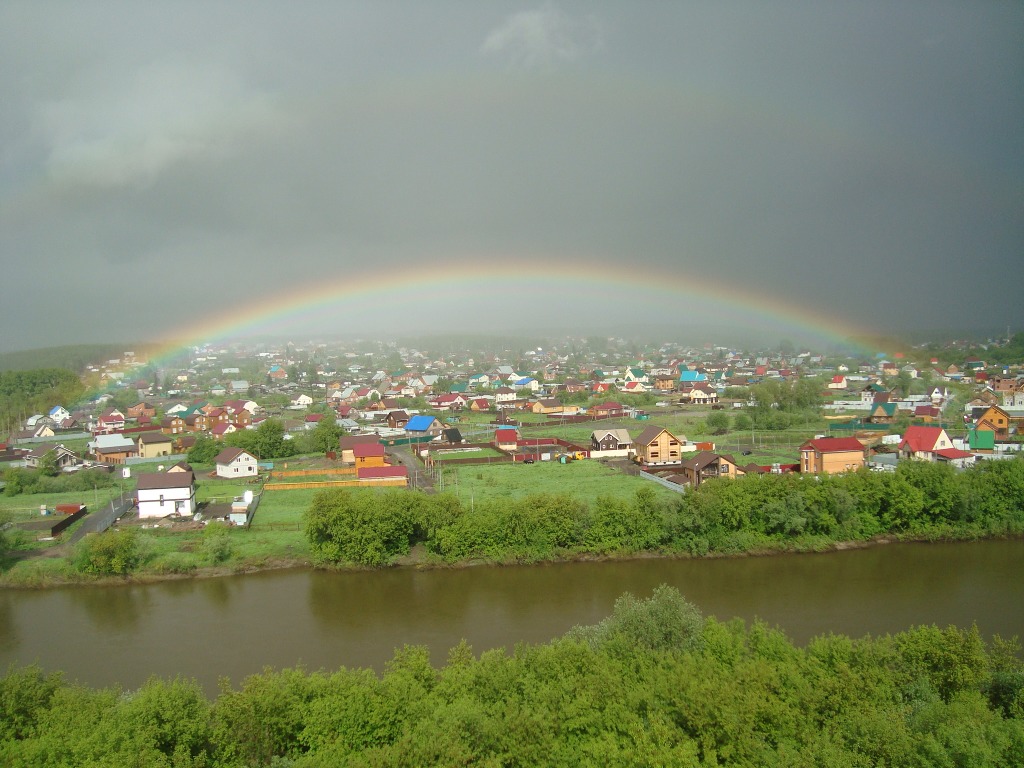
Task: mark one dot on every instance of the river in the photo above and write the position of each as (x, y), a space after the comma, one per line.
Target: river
(234, 626)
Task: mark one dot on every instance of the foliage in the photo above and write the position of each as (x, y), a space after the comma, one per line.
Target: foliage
(30, 481)
(217, 542)
(267, 441)
(204, 450)
(111, 553)
(363, 527)
(653, 684)
(717, 422)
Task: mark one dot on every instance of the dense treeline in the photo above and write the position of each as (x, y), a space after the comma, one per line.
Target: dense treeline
(767, 511)
(654, 684)
(23, 393)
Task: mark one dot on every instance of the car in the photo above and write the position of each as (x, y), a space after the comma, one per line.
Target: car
(527, 461)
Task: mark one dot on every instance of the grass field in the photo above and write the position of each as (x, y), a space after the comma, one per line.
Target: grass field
(474, 453)
(582, 479)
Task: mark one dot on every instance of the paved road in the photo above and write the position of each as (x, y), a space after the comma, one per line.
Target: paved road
(418, 478)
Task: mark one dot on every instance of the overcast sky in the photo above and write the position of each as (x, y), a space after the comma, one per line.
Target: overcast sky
(165, 162)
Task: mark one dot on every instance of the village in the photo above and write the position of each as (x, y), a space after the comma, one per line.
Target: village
(676, 418)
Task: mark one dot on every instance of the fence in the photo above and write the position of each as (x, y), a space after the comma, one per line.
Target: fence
(662, 481)
(335, 484)
(310, 472)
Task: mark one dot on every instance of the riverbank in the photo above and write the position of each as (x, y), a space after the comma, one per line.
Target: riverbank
(420, 559)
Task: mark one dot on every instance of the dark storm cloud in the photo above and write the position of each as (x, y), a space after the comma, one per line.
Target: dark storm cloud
(860, 158)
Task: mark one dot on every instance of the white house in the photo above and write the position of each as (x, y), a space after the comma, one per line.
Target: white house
(302, 401)
(166, 493)
(235, 462)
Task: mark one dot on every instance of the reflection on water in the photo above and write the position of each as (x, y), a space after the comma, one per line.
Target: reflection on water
(234, 626)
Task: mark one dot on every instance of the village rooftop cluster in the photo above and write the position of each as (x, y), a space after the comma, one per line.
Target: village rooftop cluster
(399, 408)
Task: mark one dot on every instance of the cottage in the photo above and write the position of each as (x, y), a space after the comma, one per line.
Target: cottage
(924, 443)
(707, 465)
(611, 440)
(828, 455)
(166, 493)
(368, 455)
(506, 439)
(63, 458)
(347, 444)
(656, 445)
(423, 426)
(151, 445)
(236, 462)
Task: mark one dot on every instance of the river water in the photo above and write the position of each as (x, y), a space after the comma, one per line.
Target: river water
(234, 626)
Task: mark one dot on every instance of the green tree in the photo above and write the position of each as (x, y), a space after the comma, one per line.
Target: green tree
(48, 464)
(717, 422)
(203, 450)
(364, 527)
(324, 436)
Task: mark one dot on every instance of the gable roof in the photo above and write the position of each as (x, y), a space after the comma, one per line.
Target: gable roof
(228, 455)
(366, 450)
(151, 481)
(921, 438)
(650, 434)
(420, 423)
(834, 444)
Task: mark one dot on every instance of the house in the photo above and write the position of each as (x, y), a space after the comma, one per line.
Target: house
(927, 413)
(368, 455)
(506, 439)
(838, 382)
(607, 409)
(688, 377)
(347, 444)
(701, 394)
(423, 425)
(452, 436)
(611, 440)
(302, 401)
(113, 449)
(923, 443)
(235, 462)
(479, 404)
(166, 493)
(172, 425)
(552, 405)
(526, 383)
(111, 420)
(277, 373)
(707, 465)
(633, 388)
(63, 458)
(656, 445)
(504, 397)
(220, 430)
(996, 420)
(636, 374)
(58, 415)
(151, 445)
(397, 419)
(828, 455)
(141, 409)
(882, 413)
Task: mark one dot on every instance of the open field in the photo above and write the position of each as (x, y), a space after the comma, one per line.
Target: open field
(582, 479)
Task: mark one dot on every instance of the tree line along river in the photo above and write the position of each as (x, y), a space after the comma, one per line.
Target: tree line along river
(234, 626)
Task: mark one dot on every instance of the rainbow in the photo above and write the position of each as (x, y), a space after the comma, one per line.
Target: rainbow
(501, 286)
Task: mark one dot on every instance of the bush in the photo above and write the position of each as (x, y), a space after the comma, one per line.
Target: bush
(113, 553)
